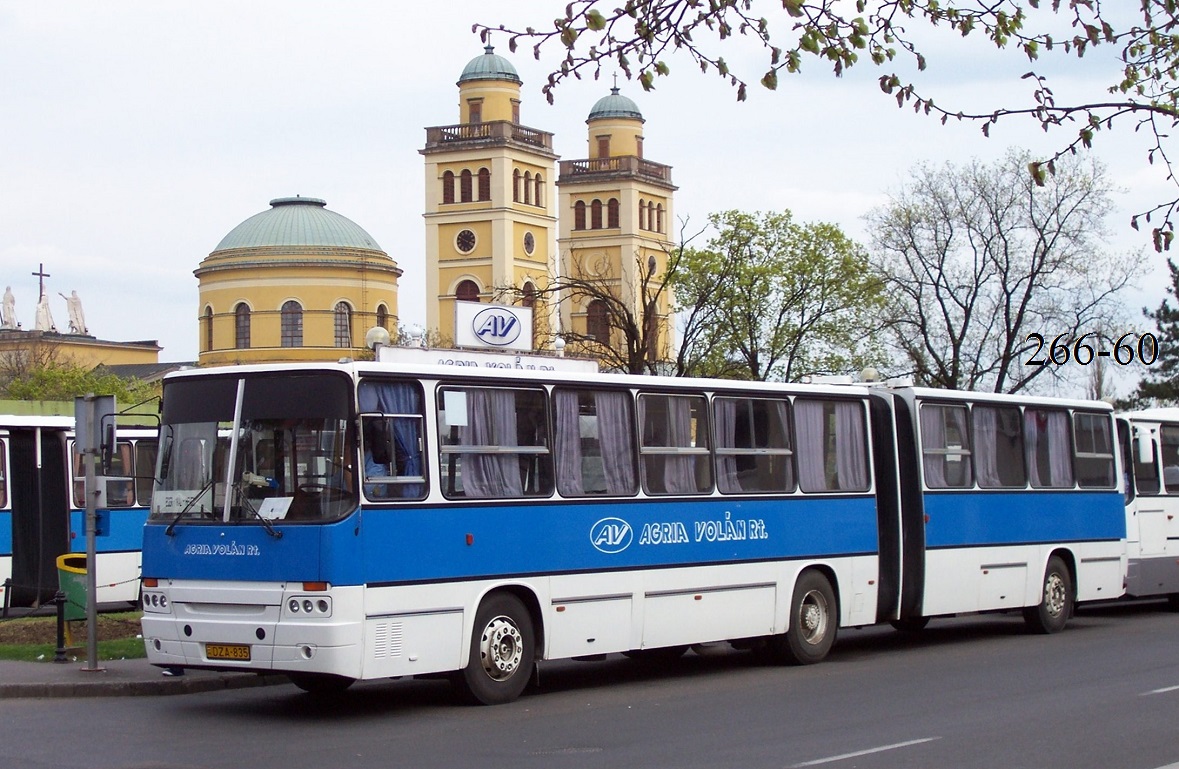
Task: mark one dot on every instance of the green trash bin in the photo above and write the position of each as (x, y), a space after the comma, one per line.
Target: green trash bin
(71, 580)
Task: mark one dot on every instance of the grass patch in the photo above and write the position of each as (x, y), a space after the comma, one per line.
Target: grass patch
(34, 639)
(120, 649)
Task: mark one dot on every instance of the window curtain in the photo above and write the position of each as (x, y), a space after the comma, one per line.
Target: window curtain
(399, 398)
(724, 414)
(933, 436)
(986, 446)
(851, 459)
(567, 406)
(617, 435)
(808, 425)
(491, 421)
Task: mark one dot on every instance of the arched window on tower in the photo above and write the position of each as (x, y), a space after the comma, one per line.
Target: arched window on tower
(448, 187)
(292, 324)
(612, 213)
(597, 321)
(579, 215)
(516, 186)
(383, 316)
(208, 324)
(538, 198)
(343, 325)
(527, 188)
(650, 215)
(467, 291)
(465, 186)
(241, 326)
(596, 215)
(642, 214)
(659, 218)
(484, 184)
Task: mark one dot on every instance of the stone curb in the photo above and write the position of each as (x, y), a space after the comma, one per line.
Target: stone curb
(165, 686)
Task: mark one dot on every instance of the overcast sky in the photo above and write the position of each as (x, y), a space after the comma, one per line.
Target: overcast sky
(135, 135)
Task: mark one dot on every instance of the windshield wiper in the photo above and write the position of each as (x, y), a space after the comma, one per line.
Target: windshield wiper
(170, 531)
(247, 478)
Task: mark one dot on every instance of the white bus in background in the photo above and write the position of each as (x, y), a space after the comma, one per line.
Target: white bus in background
(1150, 440)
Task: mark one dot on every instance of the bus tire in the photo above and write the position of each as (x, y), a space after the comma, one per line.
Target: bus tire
(813, 622)
(502, 652)
(909, 624)
(1056, 604)
(321, 683)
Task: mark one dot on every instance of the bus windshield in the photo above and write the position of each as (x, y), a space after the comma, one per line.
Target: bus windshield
(257, 449)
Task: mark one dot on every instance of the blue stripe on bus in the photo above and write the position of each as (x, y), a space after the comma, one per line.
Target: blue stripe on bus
(5, 533)
(999, 518)
(423, 543)
(124, 530)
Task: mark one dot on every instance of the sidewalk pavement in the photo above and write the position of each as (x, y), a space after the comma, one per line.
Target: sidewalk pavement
(116, 678)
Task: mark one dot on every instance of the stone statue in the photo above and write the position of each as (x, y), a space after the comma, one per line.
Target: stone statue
(44, 316)
(8, 315)
(77, 317)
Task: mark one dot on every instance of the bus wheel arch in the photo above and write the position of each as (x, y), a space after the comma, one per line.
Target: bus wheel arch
(813, 621)
(1057, 596)
(503, 648)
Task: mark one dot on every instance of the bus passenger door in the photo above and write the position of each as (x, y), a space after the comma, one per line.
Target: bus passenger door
(40, 514)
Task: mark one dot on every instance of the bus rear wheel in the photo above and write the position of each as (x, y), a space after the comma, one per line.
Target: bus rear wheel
(1056, 605)
(502, 652)
(813, 622)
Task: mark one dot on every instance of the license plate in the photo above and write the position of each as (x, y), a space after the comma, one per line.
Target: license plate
(238, 652)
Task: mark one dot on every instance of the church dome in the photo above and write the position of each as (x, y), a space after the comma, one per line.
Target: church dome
(615, 105)
(489, 66)
(297, 221)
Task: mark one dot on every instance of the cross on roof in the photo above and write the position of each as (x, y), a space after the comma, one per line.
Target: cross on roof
(41, 276)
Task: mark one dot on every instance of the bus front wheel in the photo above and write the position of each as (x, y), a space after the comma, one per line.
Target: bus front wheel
(813, 622)
(502, 652)
(1056, 605)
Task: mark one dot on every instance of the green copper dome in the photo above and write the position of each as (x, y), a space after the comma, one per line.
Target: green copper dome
(297, 221)
(615, 105)
(489, 66)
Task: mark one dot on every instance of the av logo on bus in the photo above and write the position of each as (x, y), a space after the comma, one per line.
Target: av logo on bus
(496, 326)
(611, 535)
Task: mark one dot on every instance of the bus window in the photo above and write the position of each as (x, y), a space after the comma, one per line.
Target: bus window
(145, 470)
(1170, 450)
(1046, 434)
(674, 446)
(120, 491)
(831, 440)
(1095, 461)
(494, 442)
(391, 440)
(945, 449)
(595, 443)
(753, 452)
(998, 447)
(1146, 474)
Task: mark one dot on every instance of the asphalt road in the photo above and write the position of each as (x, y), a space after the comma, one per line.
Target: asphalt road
(967, 692)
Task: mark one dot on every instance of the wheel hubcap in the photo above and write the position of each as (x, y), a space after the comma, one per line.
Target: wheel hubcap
(813, 617)
(1055, 596)
(501, 648)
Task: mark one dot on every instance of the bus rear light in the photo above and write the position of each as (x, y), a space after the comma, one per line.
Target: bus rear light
(151, 582)
(318, 607)
(315, 587)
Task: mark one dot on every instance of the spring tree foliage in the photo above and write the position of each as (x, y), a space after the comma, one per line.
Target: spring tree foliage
(1139, 39)
(772, 299)
(978, 257)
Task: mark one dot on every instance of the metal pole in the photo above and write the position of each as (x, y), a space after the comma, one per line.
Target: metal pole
(59, 654)
(91, 539)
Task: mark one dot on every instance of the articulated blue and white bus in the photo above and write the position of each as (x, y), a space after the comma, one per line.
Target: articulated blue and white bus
(42, 508)
(369, 520)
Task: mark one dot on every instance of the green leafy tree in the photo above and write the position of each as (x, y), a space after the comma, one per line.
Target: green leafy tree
(979, 260)
(771, 299)
(640, 37)
(66, 381)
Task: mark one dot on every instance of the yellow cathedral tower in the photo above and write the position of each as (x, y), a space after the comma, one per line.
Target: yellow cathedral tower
(490, 210)
(616, 211)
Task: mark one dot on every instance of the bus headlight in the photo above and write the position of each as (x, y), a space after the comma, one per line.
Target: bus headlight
(155, 603)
